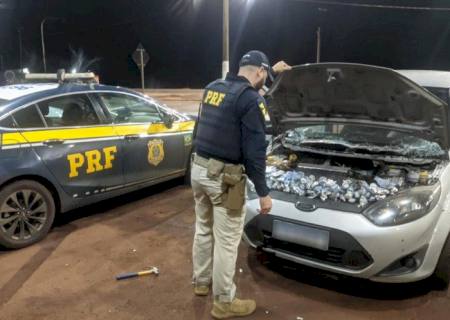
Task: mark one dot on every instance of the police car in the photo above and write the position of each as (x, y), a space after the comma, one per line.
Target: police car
(74, 142)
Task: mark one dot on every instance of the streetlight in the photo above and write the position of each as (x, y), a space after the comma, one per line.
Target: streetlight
(225, 32)
(226, 35)
(43, 41)
(226, 38)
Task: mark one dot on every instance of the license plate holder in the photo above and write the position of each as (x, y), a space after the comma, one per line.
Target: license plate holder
(301, 235)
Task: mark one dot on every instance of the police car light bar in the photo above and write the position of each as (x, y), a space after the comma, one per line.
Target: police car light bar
(60, 76)
(22, 75)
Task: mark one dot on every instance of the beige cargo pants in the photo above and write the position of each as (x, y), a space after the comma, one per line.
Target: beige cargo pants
(218, 233)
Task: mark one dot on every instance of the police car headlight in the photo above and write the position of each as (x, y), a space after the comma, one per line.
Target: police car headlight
(251, 190)
(404, 207)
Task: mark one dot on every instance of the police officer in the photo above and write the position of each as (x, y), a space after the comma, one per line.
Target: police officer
(230, 145)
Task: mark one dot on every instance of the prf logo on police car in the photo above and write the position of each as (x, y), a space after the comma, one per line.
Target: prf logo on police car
(214, 98)
(92, 160)
(155, 151)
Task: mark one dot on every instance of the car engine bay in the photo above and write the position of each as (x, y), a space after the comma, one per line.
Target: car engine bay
(358, 181)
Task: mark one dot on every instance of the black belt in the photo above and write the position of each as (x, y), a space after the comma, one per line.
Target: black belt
(229, 168)
(207, 157)
(201, 161)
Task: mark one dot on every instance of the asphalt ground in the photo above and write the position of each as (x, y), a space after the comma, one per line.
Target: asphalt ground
(184, 100)
(71, 273)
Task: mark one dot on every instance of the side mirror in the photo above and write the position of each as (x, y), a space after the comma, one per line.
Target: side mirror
(168, 120)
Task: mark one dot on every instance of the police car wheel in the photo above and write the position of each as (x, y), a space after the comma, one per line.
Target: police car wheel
(27, 211)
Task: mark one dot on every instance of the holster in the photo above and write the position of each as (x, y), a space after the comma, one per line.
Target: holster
(235, 197)
(235, 179)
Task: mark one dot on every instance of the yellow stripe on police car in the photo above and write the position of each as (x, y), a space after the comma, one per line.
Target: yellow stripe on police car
(37, 136)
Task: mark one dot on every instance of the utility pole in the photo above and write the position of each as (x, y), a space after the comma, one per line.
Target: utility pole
(19, 30)
(44, 62)
(43, 45)
(318, 45)
(322, 12)
(226, 38)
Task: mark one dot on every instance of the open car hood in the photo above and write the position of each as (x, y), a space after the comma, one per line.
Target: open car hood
(357, 94)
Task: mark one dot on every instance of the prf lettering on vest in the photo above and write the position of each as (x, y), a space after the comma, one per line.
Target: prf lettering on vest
(263, 109)
(214, 98)
(94, 160)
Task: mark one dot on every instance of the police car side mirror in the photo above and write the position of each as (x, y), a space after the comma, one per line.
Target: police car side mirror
(168, 120)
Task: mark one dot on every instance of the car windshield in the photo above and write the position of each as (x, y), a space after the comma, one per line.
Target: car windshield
(361, 139)
(442, 93)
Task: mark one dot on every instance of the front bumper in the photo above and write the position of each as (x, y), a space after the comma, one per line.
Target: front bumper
(343, 250)
(356, 246)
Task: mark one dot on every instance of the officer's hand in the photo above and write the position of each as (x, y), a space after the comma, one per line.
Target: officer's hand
(266, 204)
(281, 66)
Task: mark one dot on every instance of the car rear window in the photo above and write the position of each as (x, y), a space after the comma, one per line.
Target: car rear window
(71, 110)
(28, 117)
(7, 122)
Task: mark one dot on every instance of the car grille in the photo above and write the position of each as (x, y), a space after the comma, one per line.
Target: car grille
(343, 250)
(339, 257)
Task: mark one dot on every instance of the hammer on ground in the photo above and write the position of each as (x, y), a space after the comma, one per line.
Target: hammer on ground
(128, 275)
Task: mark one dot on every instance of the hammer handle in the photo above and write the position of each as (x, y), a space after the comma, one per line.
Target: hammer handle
(127, 275)
(134, 274)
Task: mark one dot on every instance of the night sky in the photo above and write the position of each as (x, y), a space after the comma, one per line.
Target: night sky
(184, 37)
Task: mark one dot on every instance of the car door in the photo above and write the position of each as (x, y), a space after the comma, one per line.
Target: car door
(152, 149)
(79, 148)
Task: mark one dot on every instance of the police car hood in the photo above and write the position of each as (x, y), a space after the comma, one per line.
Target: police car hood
(357, 94)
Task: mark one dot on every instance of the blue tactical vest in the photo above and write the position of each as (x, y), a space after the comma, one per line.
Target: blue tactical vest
(218, 132)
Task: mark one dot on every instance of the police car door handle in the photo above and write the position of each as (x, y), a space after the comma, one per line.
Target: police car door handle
(52, 142)
(131, 137)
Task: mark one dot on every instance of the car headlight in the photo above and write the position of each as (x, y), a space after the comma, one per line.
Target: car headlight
(405, 207)
(251, 190)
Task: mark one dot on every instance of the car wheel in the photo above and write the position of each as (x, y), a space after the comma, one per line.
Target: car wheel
(441, 274)
(27, 211)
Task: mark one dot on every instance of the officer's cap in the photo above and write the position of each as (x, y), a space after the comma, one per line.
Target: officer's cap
(258, 59)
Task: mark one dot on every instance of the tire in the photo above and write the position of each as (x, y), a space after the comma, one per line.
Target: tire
(441, 275)
(27, 211)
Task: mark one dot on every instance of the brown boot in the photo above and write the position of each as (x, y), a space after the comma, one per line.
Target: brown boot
(237, 308)
(201, 290)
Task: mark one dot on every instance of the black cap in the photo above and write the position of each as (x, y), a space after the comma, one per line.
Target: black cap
(258, 59)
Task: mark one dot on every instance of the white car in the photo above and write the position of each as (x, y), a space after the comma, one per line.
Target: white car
(359, 172)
